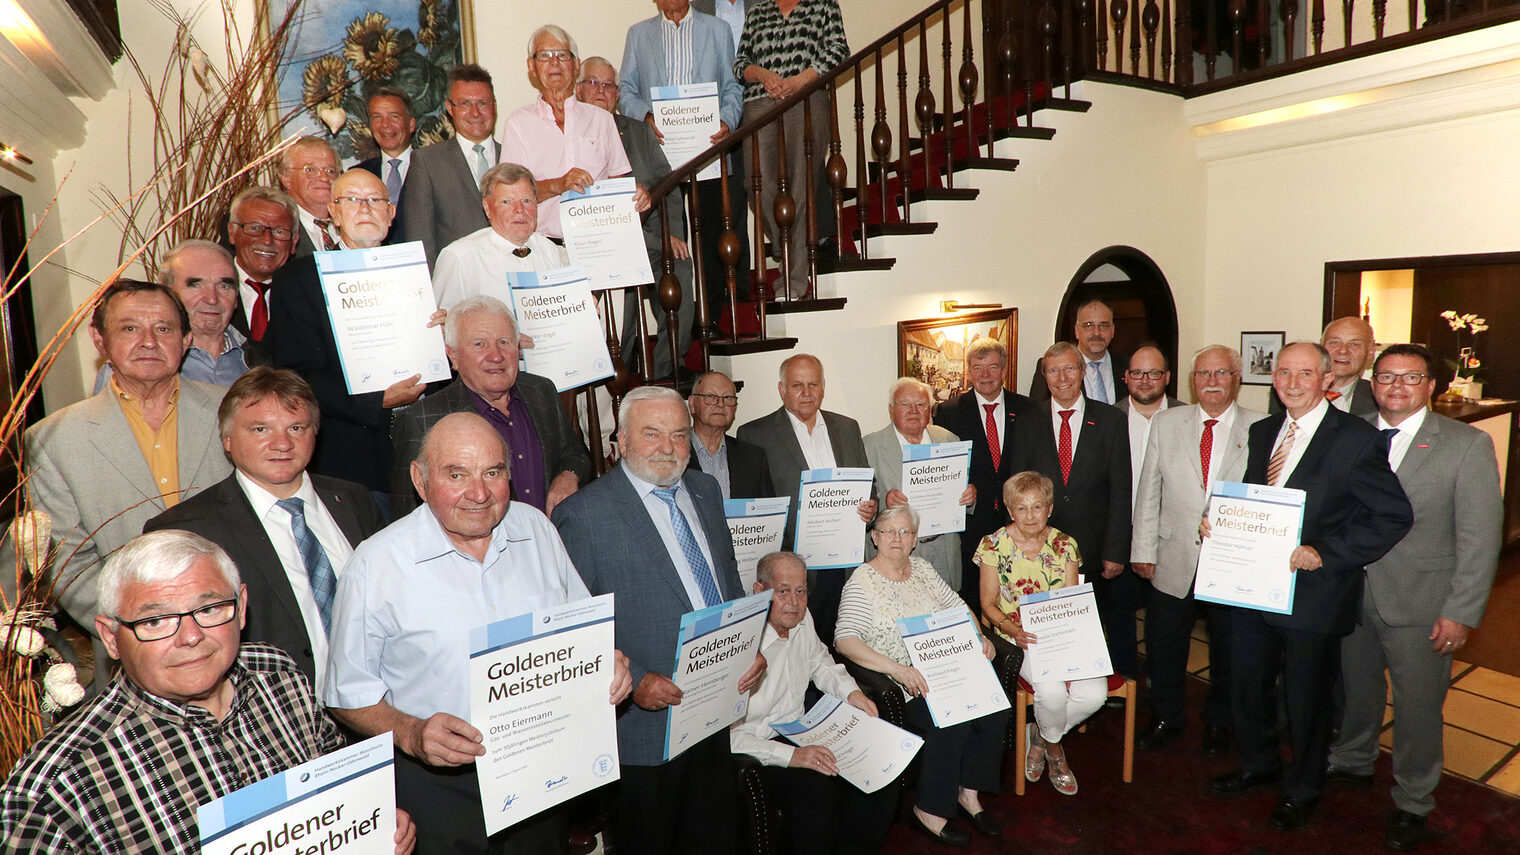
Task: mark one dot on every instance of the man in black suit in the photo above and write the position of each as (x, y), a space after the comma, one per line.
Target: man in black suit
(391, 124)
(1102, 369)
(985, 414)
(1355, 512)
(1351, 344)
(261, 231)
(1082, 446)
(442, 186)
(268, 423)
(740, 467)
(307, 172)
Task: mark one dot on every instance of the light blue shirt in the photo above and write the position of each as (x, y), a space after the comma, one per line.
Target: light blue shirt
(1095, 382)
(713, 463)
(408, 599)
(659, 514)
(731, 14)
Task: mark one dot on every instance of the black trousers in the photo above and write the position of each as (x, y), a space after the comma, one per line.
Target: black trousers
(444, 802)
(824, 589)
(829, 815)
(1118, 600)
(687, 805)
(1168, 633)
(969, 754)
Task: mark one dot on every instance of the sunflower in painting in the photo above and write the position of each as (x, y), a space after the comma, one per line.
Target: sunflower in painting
(372, 46)
(324, 81)
(427, 23)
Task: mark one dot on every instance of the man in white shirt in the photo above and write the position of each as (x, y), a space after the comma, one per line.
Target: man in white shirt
(442, 186)
(511, 243)
(1146, 378)
(307, 172)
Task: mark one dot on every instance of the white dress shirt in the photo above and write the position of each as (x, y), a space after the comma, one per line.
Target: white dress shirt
(1343, 402)
(479, 262)
(816, 448)
(790, 664)
(659, 514)
(1307, 425)
(1076, 422)
(1399, 445)
(1139, 434)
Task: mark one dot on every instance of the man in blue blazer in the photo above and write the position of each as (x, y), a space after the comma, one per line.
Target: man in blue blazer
(653, 533)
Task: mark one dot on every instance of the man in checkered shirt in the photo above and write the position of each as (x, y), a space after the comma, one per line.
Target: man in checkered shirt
(190, 718)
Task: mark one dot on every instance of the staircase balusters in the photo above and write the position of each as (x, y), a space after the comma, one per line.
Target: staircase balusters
(862, 179)
(1166, 43)
(1067, 32)
(670, 292)
(1379, 13)
(948, 125)
(1317, 25)
(1346, 22)
(728, 253)
(1047, 24)
(809, 194)
(923, 104)
(1008, 56)
(968, 81)
(758, 286)
(1263, 35)
(1084, 35)
(1211, 37)
(785, 211)
(1183, 74)
(1134, 40)
(1289, 15)
(1029, 22)
(1150, 18)
(1119, 10)
(904, 176)
(1100, 24)
(1237, 12)
(702, 311)
(881, 144)
(836, 171)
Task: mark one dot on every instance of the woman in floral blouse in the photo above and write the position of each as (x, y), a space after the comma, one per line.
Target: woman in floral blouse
(1027, 557)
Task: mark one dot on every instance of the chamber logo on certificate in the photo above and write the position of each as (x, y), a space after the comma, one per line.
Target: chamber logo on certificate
(1244, 561)
(717, 645)
(688, 117)
(379, 301)
(870, 753)
(947, 649)
(340, 802)
(1069, 641)
(755, 526)
(830, 533)
(538, 691)
(555, 308)
(604, 234)
(933, 478)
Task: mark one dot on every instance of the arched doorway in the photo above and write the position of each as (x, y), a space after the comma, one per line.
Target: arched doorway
(1135, 288)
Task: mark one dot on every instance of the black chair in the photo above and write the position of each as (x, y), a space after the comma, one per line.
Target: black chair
(1007, 659)
(759, 818)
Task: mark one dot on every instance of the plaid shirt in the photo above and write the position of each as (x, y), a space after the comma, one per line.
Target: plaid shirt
(126, 772)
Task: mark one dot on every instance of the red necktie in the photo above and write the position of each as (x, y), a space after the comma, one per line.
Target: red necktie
(994, 444)
(327, 239)
(1332, 395)
(259, 317)
(1063, 448)
(1206, 449)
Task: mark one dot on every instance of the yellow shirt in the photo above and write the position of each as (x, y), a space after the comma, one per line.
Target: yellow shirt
(160, 448)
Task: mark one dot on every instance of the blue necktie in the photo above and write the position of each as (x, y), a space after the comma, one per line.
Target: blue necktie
(1099, 387)
(1390, 434)
(699, 569)
(324, 584)
(393, 181)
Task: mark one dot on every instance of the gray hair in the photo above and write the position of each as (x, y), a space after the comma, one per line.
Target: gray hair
(480, 303)
(260, 193)
(1063, 347)
(765, 570)
(424, 451)
(648, 393)
(307, 142)
(1231, 353)
(902, 383)
(555, 31)
(982, 346)
(787, 363)
(508, 174)
(166, 267)
(894, 512)
(157, 557)
(1325, 365)
(599, 61)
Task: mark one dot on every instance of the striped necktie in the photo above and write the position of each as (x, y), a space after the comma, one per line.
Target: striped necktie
(1280, 456)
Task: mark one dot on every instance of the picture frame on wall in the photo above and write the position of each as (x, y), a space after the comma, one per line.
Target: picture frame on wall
(1258, 355)
(934, 349)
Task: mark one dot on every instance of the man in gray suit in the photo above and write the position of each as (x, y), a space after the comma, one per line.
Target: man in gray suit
(442, 188)
(653, 502)
(1423, 597)
(106, 465)
(1189, 449)
(799, 436)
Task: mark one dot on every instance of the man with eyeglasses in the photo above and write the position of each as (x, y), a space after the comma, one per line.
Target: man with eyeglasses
(1146, 379)
(307, 172)
(1102, 369)
(740, 467)
(261, 231)
(191, 716)
(442, 188)
(1424, 597)
(1187, 451)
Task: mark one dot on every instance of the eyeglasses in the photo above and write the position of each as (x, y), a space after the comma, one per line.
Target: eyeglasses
(473, 103)
(552, 55)
(893, 533)
(1386, 378)
(1217, 374)
(160, 627)
(1150, 374)
(714, 400)
(604, 85)
(258, 229)
(371, 202)
(1089, 326)
(912, 406)
(311, 171)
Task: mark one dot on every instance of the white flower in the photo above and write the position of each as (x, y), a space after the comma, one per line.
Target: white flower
(1449, 314)
(23, 639)
(31, 532)
(61, 683)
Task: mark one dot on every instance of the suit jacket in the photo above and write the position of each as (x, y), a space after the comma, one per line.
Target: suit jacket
(1120, 362)
(223, 515)
(442, 197)
(1093, 505)
(600, 524)
(87, 473)
(562, 449)
(964, 417)
(1362, 402)
(1355, 512)
(354, 442)
(374, 166)
(1171, 500)
(774, 434)
(712, 52)
(885, 456)
(749, 473)
(1445, 566)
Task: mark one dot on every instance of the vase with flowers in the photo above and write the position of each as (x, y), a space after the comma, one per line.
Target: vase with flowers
(1466, 381)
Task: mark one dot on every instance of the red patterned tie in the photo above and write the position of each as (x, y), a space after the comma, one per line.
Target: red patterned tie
(1206, 449)
(327, 239)
(259, 317)
(994, 444)
(1063, 448)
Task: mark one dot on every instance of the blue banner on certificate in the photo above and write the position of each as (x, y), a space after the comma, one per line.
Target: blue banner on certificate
(933, 478)
(343, 801)
(947, 649)
(756, 527)
(830, 533)
(379, 301)
(555, 308)
(717, 645)
(538, 691)
(1244, 561)
(870, 753)
(604, 235)
(1068, 641)
(688, 117)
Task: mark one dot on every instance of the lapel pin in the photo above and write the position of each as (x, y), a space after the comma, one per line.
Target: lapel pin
(1422, 446)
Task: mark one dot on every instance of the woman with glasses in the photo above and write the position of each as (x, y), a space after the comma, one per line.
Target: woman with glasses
(961, 761)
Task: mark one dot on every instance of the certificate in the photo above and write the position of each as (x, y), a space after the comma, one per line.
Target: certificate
(718, 644)
(604, 235)
(344, 801)
(830, 532)
(755, 526)
(538, 691)
(933, 477)
(556, 309)
(870, 753)
(1244, 562)
(379, 301)
(946, 648)
(687, 116)
(1069, 641)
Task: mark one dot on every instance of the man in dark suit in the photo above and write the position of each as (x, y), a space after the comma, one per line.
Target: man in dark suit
(1102, 369)
(985, 414)
(307, 172)
(740, 467)
(391, 124)
(442, 186)
(1355, 512)
(675, 516)
(261, 231)
(1351, 344)
(549, 462)
(799, 436)
(1082, 446)
(268, 425)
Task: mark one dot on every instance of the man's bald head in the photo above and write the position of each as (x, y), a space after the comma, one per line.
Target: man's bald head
(1350, 341)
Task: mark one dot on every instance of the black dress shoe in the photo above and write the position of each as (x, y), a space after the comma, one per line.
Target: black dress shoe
(1157, 735)
(982, 822)
(1216, 740)
(947, 835)
(1292, 814)
(1239, 782)
(1405, 831)
(1347, 780)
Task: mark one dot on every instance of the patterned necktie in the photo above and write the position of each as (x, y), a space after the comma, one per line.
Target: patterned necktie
(393, 181)
(1332, 396)
(1280, 456)
(689, 548)
(327, 239)
(994, 443)
(480, 162)
(1390, 434)
(259, 317)
(1206, 449)
(324, 584)
(1063, 448)
(1100, 388)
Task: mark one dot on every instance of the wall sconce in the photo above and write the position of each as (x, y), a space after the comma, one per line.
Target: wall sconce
(8, 153)
(951, 306)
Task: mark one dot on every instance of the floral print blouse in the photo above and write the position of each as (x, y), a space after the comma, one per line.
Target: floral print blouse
(1020, 573)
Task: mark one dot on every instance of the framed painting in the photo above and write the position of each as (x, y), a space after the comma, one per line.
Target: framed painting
(338, 52)
(934, 349)
(1258, 356)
